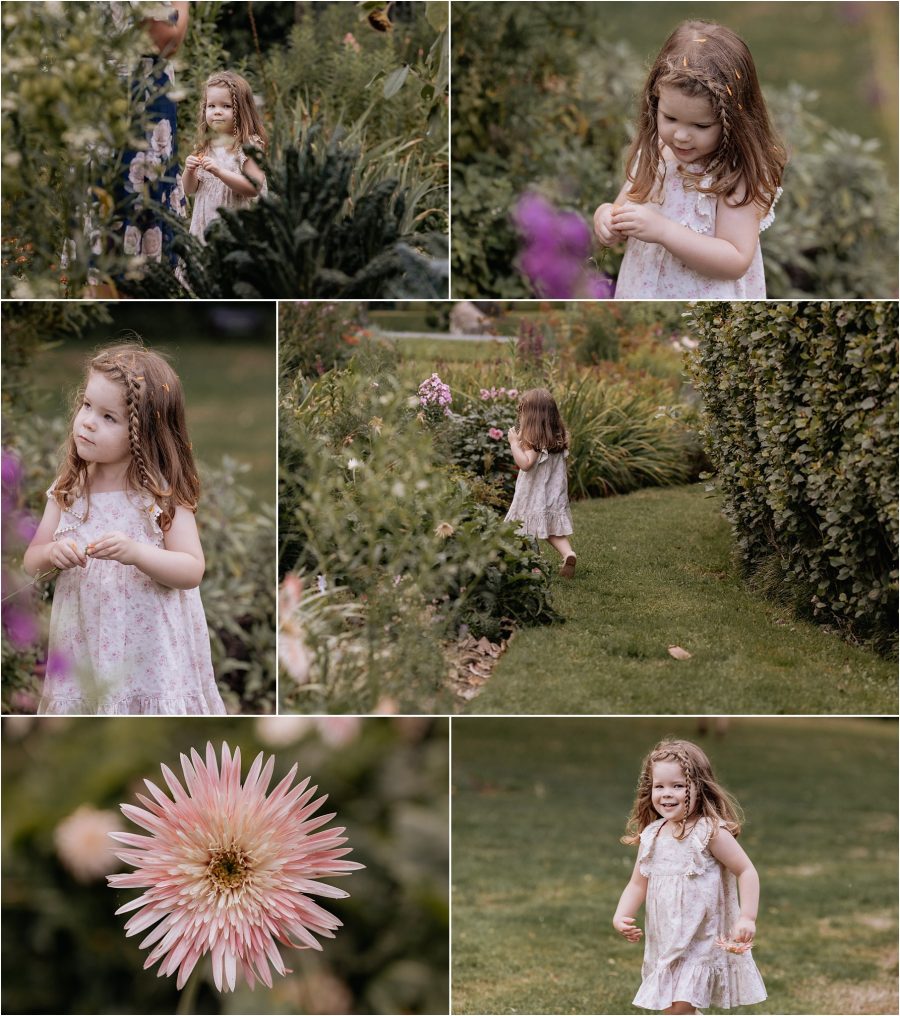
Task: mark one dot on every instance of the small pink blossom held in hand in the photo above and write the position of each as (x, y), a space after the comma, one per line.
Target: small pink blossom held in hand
(229, 870)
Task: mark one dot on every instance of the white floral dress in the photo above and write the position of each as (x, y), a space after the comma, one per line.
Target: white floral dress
(541, 498)
(650, 272)
(121, 643)
(213, 194)
(692, 900)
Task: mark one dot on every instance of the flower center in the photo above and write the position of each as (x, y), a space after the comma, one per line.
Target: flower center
(228, 868)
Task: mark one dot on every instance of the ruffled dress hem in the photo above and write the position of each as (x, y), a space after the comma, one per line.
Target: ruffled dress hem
(132, 705)
(723, 986)
(540, 525)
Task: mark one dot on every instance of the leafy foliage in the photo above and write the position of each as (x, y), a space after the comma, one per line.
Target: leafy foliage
(372, 197)
(800, 405)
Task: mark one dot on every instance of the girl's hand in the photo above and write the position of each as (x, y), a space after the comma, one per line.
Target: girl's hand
(65, 554)
(603, 227)
(512, 436)
(744, 930)
(642, 222)
(209, 164)
(192, 162)
(115, 547)
(625, 926)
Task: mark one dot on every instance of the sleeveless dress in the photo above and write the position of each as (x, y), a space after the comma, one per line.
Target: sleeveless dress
(213, 194)
(691, 901)
(541, 498)
(120, 642)
(650, 272)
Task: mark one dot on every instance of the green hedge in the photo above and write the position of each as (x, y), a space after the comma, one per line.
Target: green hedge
(801, 423)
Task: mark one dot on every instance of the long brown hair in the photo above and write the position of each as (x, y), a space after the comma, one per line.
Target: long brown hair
(538, 422)
(703, 58)
(247, 127)
(706, 798)
(162, 463)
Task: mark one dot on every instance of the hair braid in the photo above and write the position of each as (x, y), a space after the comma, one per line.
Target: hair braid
(132, 403)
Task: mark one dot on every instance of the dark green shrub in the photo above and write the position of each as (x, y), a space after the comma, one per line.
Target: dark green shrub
(800, 404)
(474, 438)
(328, 229)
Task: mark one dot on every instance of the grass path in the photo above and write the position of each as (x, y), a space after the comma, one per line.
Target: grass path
(655, 569)
(538, 808)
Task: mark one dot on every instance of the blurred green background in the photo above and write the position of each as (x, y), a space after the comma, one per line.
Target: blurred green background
(224, 354)
(64, 950)
(845, 52)
(538, 809)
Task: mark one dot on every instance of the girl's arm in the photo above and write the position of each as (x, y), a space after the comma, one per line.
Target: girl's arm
(179, 563)
(247, 183)
(189, 178)
(726, 849)
(165, 35)
(629, 903)
(44, 552)
(727, 255)
(525, 457)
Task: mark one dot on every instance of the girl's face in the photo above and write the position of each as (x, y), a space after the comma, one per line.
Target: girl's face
(101, 424)
(687, 124)
(219, 112)
(669, 791)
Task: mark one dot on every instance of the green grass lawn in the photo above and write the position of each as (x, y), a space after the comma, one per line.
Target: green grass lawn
(656, 569)
(229, 394)
(539, 805)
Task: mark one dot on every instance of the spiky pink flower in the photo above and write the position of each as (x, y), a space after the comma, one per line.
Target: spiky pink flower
(229, 870)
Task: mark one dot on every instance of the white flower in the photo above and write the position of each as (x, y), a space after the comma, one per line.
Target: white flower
(278, 731)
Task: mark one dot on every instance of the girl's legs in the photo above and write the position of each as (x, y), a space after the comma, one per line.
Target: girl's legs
(561, 544)
(680, 1007)
(564, 548)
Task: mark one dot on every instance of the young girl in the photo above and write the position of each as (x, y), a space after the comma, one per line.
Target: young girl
(703, 175)
(540, 445)
(701, 890)
(127, 629)
(218, 171)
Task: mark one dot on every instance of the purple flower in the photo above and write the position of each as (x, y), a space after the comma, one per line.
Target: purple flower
(433, 392)
(556, 246)
(20, 625)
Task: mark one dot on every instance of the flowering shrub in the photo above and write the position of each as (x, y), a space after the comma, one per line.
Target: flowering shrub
(400, 535)
(434, 395)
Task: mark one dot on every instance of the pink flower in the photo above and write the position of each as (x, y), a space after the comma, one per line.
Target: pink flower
(229, 870)
(82, 842)
(495, 433)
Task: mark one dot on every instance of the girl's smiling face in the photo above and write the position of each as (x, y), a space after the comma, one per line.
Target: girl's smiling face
(101, 424)
(687, 124)
(669, 792)
(219, 110)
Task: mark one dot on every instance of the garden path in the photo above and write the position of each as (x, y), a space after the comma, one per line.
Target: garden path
(656, 569)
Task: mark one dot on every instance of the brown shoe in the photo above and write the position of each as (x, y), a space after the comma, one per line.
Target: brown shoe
(567, 568)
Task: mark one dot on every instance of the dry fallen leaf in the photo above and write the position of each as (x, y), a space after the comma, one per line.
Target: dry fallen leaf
(678, 653)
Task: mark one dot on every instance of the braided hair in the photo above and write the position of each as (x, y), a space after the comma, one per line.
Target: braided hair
(162, 462)
(705, 798)
(247, 127)
(705, 59)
